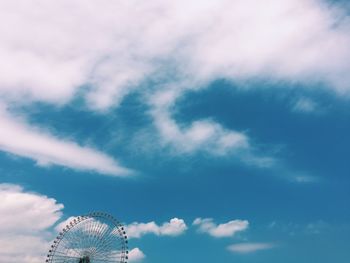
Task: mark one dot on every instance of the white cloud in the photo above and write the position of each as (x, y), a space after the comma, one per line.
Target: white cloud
(316, 228)
(105, 49)
(245, 248)
(28, 222)
(199, 135)
(18, 138)
(24, 224)
(136, 255)
(229, 229)
(174, 227)
(305, 105)
(47, 58)
(305, 179)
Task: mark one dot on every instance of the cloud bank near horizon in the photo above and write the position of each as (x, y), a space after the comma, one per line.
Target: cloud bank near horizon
(25, 222)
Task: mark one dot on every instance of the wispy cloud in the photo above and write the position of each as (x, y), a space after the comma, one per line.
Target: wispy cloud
(229, 229)
(19, 138)
(205, 135)
(305, 179)
(94, 56)
(245, 248)
(305, 105)
(174, 227)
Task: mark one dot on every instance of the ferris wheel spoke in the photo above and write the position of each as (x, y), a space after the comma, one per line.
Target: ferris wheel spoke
(106, 243)
(68, 251)
(64, 253)
(106, 254)
(68, 246)
(109, 253)
(112, 258)
(105, 247)
(65, 259)
(76, 237)
(112, 237)
(71, 240)
(106, 260)
(99, 226)
(83, 235)
(102, 241)
(96, 236)
(90, 234)
(65, 245)
(84, 240)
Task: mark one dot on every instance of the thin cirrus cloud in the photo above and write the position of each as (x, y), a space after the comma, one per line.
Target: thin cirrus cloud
(174, 227)
(19, 138)
(229, 229)
(25, 222)
(46, 58)
(245, 248)
(306, 105)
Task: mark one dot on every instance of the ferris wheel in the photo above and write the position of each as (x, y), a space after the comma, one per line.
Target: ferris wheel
(93, 238)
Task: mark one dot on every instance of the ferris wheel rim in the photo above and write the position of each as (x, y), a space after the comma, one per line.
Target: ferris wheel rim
(83, 218)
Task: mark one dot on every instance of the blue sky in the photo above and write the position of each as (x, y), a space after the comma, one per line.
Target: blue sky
(225, 140)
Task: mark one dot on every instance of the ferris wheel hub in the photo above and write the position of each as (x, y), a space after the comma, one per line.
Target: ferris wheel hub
(84, 260)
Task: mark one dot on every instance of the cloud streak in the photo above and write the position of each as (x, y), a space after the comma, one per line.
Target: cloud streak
(229, 229)
(246, 248)
(18, 138)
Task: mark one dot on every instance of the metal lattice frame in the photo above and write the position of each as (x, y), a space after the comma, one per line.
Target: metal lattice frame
(96, 237)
